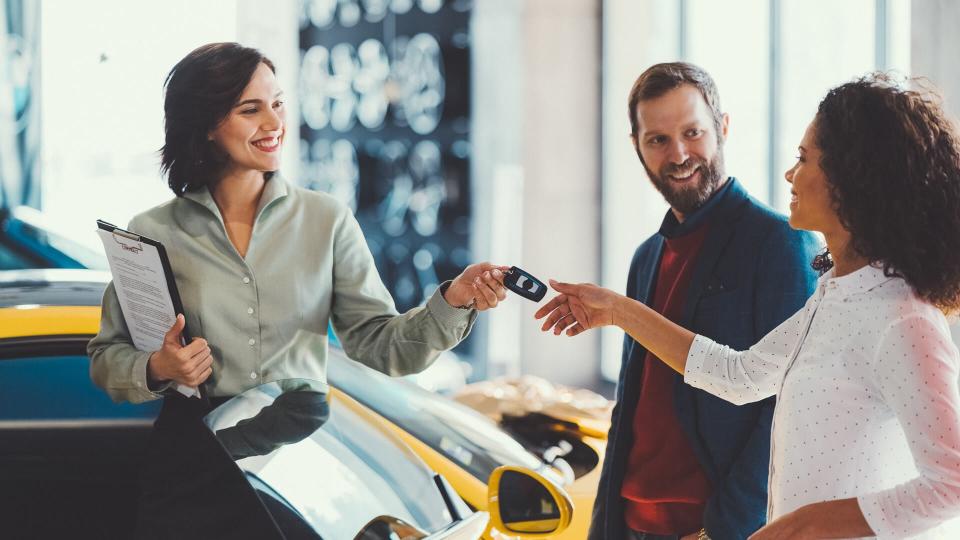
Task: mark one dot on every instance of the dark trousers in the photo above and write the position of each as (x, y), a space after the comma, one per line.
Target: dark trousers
(190, 487)
(637, 535)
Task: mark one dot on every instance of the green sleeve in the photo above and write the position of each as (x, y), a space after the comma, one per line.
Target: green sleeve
(365, 317)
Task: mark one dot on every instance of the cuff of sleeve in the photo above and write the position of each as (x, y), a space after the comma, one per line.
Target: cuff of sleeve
(872, 511)
(447, 315)
(693, 371)
(141, 381)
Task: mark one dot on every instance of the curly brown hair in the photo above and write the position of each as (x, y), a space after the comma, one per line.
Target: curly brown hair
(892, 159)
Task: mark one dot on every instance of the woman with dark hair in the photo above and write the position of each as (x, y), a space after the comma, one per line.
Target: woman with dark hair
(262, 267)
(866, 433)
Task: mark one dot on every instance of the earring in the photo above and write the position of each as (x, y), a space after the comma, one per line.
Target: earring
(822, 262)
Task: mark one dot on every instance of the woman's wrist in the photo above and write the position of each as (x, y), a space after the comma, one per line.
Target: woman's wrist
(154, 380)
(807, 519)
(452, 300)
(619, 310)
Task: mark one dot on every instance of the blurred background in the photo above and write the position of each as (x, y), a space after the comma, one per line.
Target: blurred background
(457, 130)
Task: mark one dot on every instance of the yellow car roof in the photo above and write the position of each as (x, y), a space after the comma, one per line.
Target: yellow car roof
(32, 320)
(50, 302)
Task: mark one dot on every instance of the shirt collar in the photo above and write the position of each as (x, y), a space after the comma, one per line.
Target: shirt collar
(860, 281)
(718, 204)
(274, 189)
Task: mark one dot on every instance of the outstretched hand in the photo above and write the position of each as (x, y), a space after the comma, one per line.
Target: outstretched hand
(480, 286)
(578, 307)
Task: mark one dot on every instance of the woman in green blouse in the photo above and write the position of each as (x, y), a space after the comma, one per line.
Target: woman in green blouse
(263, 267)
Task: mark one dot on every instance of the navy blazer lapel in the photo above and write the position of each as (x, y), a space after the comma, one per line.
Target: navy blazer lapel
(713, 247)
(645, 276)
(721, 231)
(722, 226)
(648, 272)
(684, 401)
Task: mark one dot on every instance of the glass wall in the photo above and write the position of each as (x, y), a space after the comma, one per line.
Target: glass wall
(739, 62)
(102, 102)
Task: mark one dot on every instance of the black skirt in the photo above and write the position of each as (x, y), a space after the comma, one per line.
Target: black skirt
(190, 486)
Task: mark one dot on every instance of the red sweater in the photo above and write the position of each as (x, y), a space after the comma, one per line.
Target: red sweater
(665, 489)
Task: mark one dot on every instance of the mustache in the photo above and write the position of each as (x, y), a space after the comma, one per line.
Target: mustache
(686, 166)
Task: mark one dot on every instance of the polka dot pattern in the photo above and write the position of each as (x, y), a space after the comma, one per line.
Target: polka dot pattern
(866, 379)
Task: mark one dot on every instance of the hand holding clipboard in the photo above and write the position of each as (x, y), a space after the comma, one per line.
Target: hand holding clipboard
(147, 292)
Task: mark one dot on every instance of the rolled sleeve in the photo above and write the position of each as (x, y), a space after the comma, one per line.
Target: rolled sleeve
(747, 376)
(457, 320)
(364, 316)
(694, 373)
(142, 382)
(116, 365)
(737, 376)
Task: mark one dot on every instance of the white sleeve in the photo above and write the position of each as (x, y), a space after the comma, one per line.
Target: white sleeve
(916, 370)
(745, 376)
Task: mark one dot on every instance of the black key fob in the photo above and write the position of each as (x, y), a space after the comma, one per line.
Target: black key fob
(524, 284)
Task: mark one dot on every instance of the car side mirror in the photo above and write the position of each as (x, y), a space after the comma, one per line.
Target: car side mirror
(527, 505)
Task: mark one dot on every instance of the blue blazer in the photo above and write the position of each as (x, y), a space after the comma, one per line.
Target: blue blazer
(751, 274)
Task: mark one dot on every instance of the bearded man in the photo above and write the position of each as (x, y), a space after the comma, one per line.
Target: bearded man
(681, 463)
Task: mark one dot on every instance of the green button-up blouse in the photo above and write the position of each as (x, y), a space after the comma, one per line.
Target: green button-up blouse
(265, 315)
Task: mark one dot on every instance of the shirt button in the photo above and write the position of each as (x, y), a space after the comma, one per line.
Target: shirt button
(252, 342)
(253, 374)
(249, 311)
(246, 279)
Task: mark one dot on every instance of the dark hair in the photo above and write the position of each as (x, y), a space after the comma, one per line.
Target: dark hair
(659, 79)
(200, 92)
(892, 160)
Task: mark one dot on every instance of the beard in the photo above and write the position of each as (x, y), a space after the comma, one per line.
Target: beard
(688, 198)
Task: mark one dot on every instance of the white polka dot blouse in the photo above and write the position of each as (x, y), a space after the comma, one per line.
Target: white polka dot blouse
(866, 380)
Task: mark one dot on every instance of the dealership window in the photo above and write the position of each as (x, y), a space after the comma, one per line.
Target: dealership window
(101, 96)
(773, 60)
(101, 99)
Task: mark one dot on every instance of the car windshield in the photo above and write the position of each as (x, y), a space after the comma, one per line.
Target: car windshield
(12, 260)
(461, 434)
(340, 476)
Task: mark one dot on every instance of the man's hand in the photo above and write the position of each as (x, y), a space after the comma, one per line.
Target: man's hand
(578, 308)
(189, 365)
(479, 286)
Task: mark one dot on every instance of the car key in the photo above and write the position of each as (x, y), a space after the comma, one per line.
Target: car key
(524, 284)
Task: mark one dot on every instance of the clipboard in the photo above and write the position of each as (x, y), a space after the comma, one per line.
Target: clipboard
(130, 241)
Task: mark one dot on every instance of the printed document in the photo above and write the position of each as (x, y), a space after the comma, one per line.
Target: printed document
(141, 287)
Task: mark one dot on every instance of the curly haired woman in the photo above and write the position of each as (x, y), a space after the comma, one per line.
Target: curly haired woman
(866, 434)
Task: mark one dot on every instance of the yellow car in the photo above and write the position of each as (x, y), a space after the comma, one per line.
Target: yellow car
(466, 446)
(469, 450)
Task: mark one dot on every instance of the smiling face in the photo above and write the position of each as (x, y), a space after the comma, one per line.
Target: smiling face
(252, 132)
(811, 205)
(680, 148)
